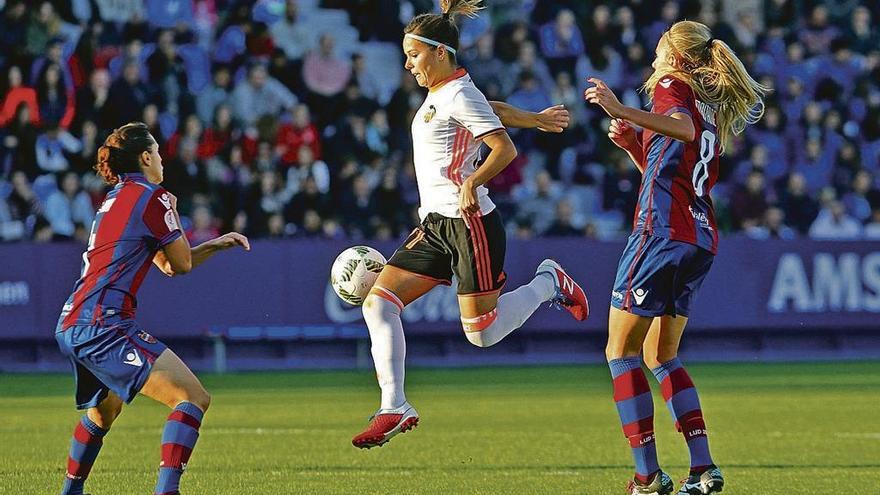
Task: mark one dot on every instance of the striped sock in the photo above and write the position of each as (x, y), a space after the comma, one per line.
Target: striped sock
(684, 405)
(87, 441)
(632, 395)
(178, 440)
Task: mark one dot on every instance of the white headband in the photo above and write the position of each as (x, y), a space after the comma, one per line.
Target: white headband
(430, 42)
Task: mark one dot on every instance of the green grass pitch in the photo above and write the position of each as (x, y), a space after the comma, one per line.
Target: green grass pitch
(774, 429)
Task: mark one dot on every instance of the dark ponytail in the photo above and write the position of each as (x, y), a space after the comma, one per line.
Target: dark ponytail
(121, 151)
(442, 27)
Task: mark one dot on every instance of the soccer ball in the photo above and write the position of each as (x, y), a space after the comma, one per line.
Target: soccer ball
(354, 272)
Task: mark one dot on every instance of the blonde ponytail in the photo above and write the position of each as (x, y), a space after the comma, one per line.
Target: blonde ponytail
(717, 76)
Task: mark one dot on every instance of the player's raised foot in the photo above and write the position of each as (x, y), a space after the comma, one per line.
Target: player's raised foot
(709, 481)
(385, 424)
(660, 484)
(569, 294)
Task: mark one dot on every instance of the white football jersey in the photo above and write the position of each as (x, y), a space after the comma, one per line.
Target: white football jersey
(447, 132)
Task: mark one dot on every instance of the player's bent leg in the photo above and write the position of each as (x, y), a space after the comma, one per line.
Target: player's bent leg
(172, 383)
(632, 396)
(683, 402)
(488, 318)
(88, 438)
(394, 289)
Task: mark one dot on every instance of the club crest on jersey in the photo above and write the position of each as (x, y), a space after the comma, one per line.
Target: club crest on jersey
(146, 337)
(165, 200)
(666, 83)
(429, 115)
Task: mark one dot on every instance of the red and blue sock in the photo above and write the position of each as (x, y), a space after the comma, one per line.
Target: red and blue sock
(84, 448)
(635, 406)
(178, 440)
(684, 404)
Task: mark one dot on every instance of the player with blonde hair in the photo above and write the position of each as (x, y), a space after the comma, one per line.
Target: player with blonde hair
(702, 95)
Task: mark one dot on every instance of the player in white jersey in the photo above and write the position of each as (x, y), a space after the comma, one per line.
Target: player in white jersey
(461, 233)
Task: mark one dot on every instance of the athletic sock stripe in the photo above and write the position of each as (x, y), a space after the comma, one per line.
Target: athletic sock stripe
(690, 418)
(85, 437)
(639, 407)
(175, 455)
(641, 440)
(182, 417)
(644, 425)
(684, 402)
(677, 380)
(388, 296)
(78, 470)
(630, 384)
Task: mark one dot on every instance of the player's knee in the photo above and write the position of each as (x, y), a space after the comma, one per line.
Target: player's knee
(477, 330)
(378, 308)
(202, 399)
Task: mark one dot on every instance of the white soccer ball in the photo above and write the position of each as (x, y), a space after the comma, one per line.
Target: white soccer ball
(354, 272)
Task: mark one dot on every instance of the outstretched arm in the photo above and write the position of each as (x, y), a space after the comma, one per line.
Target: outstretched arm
(553, 119)
(677, 126)
(178, 258)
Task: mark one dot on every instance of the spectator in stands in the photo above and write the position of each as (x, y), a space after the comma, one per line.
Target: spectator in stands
(55, 100)
(291, 34)
(218, 92)
(52, 147)
(217, 139)
(23, 203)
(92, 100)
(17, 93)
(527, 60)
(800, 209)
(856, 201)
(529, 95)
(203, 227)
(309, 198)
(19, 143)
(389, 203)
(537, 203)
(482, 65)
(299, 132)
(129, 95)
(861, 36)
(772, 227)
(818, 33)
(563, 223)
(324, 74)
(260, 95)
(69, 209)
(817, 165)
(833, 224)
(13, 32)
(365, 80)
(748, 203)
(561, 41)
(358, 211)
(166, 71)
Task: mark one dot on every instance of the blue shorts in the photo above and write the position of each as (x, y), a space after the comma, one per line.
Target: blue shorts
(117, 356)
(658, 276)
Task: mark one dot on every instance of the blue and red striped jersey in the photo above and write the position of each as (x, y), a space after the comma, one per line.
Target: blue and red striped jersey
(674, 200)
(133, 223)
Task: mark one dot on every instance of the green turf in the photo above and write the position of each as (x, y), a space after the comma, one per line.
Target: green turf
(774, 429)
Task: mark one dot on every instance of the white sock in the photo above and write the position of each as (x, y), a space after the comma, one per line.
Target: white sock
(514, 308)
(388, 348)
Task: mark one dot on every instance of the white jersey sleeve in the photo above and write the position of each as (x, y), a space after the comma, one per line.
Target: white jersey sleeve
(471, 109)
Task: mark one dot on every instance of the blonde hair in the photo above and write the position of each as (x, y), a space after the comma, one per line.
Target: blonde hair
(717, 76)
(442, 27)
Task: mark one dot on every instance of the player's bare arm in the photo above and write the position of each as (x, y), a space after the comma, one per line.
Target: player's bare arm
(552, 119)
(677, 126)
(503, 152)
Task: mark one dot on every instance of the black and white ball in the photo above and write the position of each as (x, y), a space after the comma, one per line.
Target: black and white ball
(354, 272)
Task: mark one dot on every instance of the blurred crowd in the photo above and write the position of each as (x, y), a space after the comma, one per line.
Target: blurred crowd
(291, 118)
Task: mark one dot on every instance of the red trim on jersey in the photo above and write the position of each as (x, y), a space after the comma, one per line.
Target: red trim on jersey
(460, 72)
(139, 277)
(459, 148)
(112, 225)
(650, 220)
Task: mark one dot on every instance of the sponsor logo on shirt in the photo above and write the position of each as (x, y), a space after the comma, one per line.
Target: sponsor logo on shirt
(701, 217)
